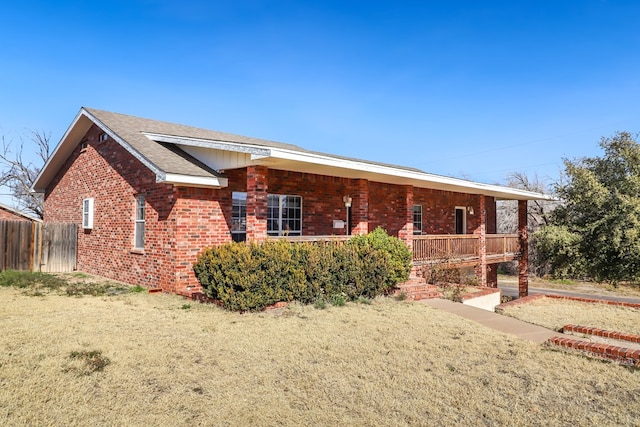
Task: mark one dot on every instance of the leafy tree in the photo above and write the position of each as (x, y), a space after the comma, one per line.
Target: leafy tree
(18, 175)
(597, 230)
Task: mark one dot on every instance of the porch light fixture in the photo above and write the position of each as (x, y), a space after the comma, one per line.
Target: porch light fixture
(470, 210)
(347, 204)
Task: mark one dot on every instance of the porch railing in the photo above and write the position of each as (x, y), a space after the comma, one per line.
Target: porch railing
(451, 249)
(325, 238)
(464, 248)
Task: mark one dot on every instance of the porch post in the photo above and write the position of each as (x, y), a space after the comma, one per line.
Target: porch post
(406, 232)
(257, 191)
(523, 262)
(360, 208)
(481, 231)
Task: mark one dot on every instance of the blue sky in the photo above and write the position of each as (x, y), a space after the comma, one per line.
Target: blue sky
(462, 88)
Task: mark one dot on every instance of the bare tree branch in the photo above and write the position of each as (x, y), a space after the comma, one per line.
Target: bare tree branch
(18, 175)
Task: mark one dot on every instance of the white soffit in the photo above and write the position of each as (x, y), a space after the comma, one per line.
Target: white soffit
(300, 161)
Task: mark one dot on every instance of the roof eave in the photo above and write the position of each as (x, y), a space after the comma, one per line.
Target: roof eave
(418, 179)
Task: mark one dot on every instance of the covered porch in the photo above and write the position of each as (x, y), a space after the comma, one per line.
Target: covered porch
(442, 226)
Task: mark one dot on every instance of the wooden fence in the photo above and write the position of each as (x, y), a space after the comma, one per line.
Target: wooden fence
(34, 246)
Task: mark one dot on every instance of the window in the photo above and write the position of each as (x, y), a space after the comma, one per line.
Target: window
(239, 217)
(87, 213)
(138, 242)
(103, 137)
(417, 219)
(284, 216)
(461, 220)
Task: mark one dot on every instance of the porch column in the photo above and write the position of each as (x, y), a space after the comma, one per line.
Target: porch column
(481, 231)
(257, 190)
(406, 232)
(360, 208)
(523, 262)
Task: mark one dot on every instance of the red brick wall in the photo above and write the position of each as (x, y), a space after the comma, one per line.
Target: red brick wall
(322, 203)
(113, 177)
(202, 218)
(6, 215)
(438, 210)
(321, 198)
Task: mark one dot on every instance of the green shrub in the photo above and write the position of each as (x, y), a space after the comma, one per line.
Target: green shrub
(397, 253)
(247, 277)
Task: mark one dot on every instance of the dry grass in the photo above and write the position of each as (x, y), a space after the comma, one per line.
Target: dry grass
(554, 314)
(386, 363)
(624, 289)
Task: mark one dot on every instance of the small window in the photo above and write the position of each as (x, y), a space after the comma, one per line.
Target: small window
(83, 145)
(139, 227)
(103, 137)
(87, 213)
(417, 219)
(239, 217)
(461, 220)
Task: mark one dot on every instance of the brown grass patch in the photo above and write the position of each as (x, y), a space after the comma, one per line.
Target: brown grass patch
(554, 313)
(386, 363)
(585, 287)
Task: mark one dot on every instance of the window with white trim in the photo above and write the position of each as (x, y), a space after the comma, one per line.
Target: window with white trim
(87, 213)
(461, 220)
(239, 216)
(284, 217)
(417, 219)
(138, 241)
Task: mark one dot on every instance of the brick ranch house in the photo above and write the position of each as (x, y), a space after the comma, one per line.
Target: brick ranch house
(148, 196)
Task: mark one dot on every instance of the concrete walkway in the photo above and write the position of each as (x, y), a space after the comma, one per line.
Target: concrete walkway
(508, 325)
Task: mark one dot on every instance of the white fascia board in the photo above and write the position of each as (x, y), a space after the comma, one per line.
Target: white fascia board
(469, 186)
(258, 152)
(53, 155)
(192, 181)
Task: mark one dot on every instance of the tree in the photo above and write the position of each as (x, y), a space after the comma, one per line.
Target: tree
(538, 216)
(596, 232)
(538, 211)
(18, 175)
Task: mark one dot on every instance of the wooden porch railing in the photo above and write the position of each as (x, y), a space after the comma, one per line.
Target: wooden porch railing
(464, 248)
(327, 238)
(450, 249)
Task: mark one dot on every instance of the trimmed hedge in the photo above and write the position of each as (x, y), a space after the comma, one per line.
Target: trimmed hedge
(247, 277)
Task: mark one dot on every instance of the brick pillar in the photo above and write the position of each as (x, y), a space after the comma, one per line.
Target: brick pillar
(360, 208)
(481, 231)
(406, 232)
(257, 188)
(523, 262)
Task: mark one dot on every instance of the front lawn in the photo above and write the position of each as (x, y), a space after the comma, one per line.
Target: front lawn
(153, 359)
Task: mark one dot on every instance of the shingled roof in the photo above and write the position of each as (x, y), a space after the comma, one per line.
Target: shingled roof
(159, 145)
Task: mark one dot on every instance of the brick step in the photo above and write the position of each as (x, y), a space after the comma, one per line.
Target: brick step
(417, 289)
(624, 355)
